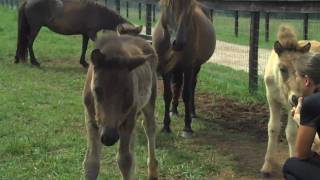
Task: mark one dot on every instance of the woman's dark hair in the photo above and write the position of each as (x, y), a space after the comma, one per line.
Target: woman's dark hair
(309, 64)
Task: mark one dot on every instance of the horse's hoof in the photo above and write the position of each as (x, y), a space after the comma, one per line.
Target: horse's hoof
(16, 61)
(166, 130)
(187, 134)
(35, 63)
(153, 178)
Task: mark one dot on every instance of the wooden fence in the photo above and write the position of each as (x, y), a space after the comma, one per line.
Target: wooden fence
(254, 7)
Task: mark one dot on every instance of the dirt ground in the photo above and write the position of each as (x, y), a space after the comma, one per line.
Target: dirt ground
(248, 121)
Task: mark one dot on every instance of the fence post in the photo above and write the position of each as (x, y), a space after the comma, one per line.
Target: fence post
(236, 23)
(127, 6)
(118, 6)
(148, 18)
(106, 2)
(253, 52)
(266, 32)
(305, 25)
(139, 10)
(154, 12)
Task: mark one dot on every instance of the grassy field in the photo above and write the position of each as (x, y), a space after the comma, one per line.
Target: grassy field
(42, 132)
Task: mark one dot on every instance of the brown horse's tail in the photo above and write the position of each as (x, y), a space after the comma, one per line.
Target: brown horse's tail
(23, 30)
(287, 36)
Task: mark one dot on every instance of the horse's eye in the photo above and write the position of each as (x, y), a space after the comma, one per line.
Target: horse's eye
(284, 72)
(99, 93)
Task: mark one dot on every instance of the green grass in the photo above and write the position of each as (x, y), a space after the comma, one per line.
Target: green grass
(42, 132)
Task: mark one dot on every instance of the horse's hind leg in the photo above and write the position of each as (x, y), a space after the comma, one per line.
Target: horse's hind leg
(125, 159)
(85, 40)
(194, 83)
(149, 125)
(32, 36)
(91, 162)
(187, 90)
(167, 96)
(176, 87)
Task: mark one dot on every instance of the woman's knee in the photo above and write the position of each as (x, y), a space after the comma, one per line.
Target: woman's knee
(290, 164)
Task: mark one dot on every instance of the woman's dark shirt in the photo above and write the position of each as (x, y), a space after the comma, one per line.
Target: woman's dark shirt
(310, 112)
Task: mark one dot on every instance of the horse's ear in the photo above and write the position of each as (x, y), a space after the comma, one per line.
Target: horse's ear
(278, 48)
(96, 57)
(127, 28)
(120, 29)
(139, 29)
(305, 48)
(137, 61)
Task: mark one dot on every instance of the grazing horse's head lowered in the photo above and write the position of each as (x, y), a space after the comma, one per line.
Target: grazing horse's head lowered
(110, 86)
(178, 17)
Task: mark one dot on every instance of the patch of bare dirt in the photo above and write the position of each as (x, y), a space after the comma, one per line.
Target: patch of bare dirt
(233, 115)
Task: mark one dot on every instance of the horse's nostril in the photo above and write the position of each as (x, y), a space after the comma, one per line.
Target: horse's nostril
(294, 100)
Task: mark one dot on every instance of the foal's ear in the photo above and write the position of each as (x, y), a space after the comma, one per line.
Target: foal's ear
(96, 57)
(137, 61)
(305, 48)
(126, 28)
(278, 48)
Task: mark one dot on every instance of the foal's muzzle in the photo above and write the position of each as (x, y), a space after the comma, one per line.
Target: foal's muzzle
(294, 100)
(109, 136)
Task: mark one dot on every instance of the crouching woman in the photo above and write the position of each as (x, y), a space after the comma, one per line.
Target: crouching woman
(306, 164)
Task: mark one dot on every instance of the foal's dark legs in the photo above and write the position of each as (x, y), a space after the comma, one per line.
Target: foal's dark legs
(176, 87)
(187, 91)
(32, 36)
(194, 83)
(167, 96)
(85, 40)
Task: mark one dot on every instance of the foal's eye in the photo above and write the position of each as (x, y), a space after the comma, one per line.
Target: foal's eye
(284, 72)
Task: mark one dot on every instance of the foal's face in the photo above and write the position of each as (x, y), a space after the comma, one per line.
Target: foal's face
(112, 88)
(291, 79)
(177, 20)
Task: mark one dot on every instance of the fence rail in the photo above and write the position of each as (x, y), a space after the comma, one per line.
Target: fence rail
(255, 8)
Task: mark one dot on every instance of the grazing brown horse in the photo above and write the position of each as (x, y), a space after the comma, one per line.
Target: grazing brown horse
(121, 82)
(184, 39)
(68, 17)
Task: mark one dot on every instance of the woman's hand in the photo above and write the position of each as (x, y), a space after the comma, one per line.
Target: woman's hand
(295, 111)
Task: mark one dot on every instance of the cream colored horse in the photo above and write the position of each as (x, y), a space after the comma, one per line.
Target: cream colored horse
(280, 84)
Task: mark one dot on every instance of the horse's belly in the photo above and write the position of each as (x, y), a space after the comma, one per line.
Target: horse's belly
(64, 28)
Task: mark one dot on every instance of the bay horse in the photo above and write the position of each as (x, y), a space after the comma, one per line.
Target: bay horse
(184, 39)
(282, 87)
(68, 17)
(121, 82)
